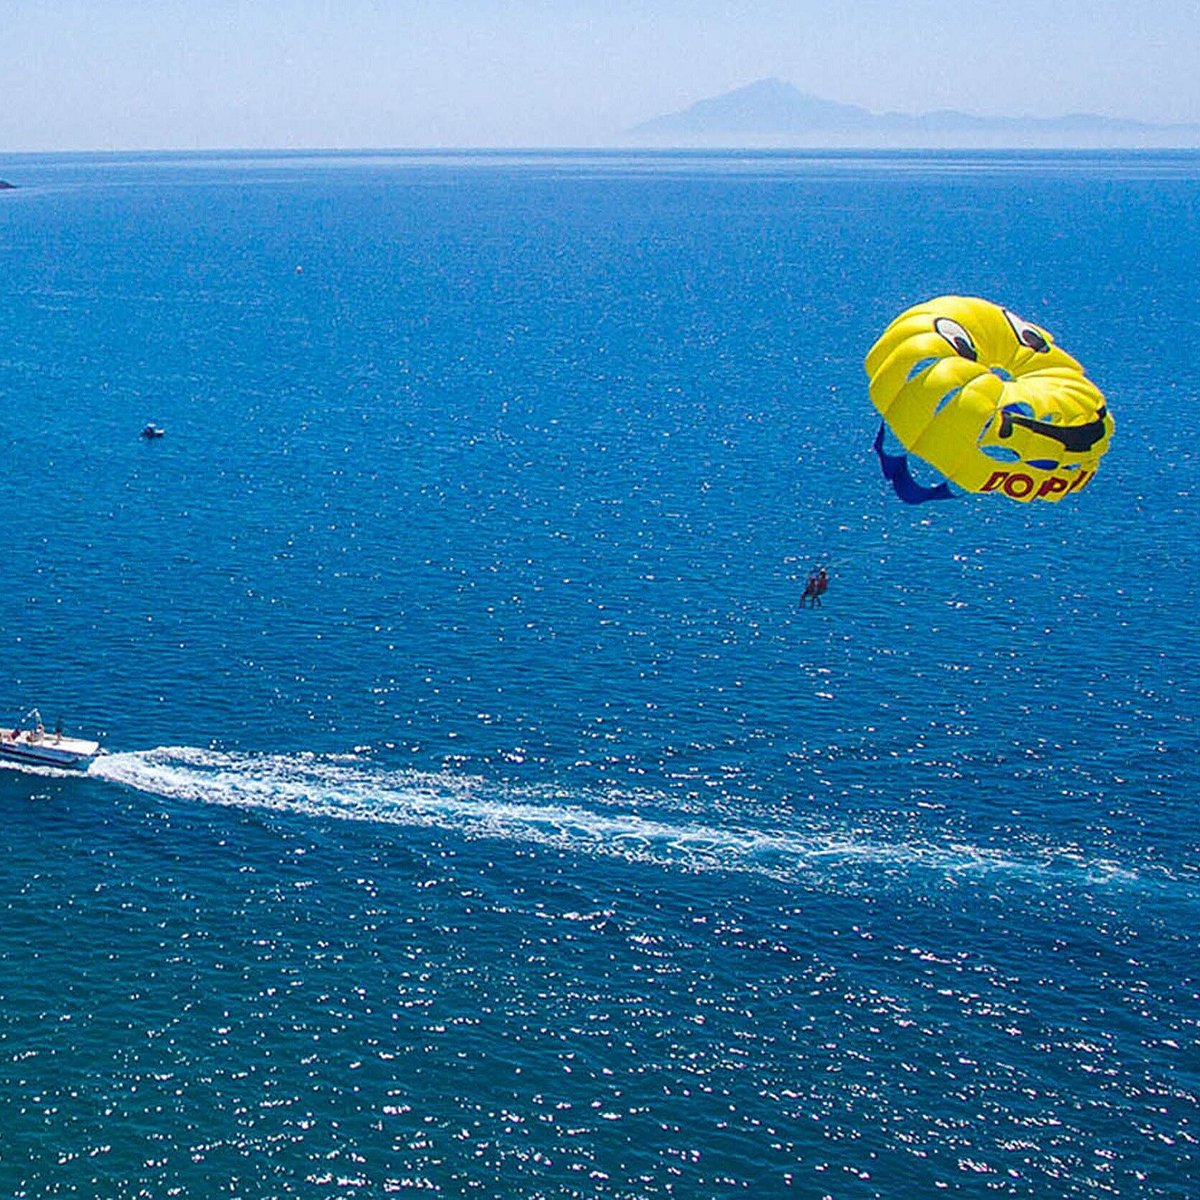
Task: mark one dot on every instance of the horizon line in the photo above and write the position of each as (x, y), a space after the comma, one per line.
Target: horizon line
(606, 148)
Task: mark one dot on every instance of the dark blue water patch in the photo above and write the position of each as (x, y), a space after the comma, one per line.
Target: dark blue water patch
(474, 1000)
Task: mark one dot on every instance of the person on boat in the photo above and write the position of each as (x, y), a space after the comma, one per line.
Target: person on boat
(822, 583)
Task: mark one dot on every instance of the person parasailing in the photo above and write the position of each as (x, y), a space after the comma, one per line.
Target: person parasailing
(814, 588)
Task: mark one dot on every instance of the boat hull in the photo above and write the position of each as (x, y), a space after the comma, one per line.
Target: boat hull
(70, 752)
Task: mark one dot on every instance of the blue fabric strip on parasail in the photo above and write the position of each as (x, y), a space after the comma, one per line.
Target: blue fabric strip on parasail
(895, 468)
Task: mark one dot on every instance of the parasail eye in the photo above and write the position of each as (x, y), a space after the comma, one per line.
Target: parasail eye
(1028, 335)
(958, 337)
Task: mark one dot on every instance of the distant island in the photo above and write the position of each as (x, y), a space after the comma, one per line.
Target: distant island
(774, 113)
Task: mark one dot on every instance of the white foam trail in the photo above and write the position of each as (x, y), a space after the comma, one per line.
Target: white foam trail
(351, 789)
(39, 769)
(323, 787)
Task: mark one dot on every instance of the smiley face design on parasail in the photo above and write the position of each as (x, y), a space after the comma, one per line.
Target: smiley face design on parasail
(988, 400)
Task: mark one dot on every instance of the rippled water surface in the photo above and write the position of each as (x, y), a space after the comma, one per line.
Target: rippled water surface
(482, 814)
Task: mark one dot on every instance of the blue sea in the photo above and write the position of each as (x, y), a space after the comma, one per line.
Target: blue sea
(483, 815)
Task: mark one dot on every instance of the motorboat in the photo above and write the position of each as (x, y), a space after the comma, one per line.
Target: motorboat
(153, 431)
(30, 743)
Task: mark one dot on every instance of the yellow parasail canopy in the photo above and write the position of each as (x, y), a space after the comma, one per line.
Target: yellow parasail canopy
(988, 400)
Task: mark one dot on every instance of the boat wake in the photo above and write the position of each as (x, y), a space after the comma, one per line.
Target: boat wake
(47, 772)
(350, 788)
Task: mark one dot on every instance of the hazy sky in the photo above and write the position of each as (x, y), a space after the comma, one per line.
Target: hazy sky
(123, 74)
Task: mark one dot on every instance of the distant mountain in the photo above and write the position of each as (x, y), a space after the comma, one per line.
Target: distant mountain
(774, 113)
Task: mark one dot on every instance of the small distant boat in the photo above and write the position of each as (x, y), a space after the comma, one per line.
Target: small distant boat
(153, 431)
(35, 745)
